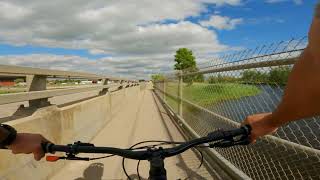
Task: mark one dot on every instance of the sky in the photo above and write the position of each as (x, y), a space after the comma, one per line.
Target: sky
(137, 38)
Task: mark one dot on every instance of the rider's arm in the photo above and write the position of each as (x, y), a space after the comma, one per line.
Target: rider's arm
(302, 95)
(27, 143)
(24, 143)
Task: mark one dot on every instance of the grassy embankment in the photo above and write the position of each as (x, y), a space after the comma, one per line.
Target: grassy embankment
(205, 94)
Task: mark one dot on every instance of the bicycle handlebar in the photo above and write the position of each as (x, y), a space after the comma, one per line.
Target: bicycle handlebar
(225, 138)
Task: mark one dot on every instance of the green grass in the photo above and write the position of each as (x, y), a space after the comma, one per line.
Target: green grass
(208, 94)
(10, 91)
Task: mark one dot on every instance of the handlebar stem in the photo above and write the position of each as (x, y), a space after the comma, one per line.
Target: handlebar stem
(157, 169)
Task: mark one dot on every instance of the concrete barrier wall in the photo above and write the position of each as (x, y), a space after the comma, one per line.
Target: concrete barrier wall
(81, 121)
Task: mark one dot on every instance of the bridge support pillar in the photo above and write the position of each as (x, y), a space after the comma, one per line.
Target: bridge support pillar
(37, 83)
(121, 84)
(105, 90)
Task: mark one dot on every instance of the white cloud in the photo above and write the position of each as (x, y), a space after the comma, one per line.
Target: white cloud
(96, 51)
(222, 2)
(222, 22)
(265, 20)
(298, 2)
(10, 11)
(110, 27)
(275, 1)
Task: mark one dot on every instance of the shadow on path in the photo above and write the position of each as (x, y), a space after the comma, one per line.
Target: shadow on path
(93, 172)
(136, 177)
(21, 112)
(191, 174)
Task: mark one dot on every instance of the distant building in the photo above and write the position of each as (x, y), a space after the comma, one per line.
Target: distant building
(85, 82)
(7, 81)
(21, 84)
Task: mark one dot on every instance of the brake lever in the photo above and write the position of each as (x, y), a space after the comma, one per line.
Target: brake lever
(56, 158)
(244, 140)
(77, 158)
(69, 156)
(222, 144)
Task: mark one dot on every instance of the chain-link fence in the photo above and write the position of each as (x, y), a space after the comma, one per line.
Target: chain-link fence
(224, 91)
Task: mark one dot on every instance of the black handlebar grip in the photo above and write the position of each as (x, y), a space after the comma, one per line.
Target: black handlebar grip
(243, 130)
(46, 147)
(248, 129)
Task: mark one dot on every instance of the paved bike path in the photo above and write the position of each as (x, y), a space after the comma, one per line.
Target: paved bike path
(141, 118)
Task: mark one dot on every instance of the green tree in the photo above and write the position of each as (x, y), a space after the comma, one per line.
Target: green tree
(279, 75)
(254, 76)
(19, 80)
(222, 79)
(186, 61)
(198, 77)
(189, 79)
(157, 77)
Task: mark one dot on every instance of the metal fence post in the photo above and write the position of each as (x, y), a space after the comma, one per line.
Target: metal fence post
(180, 87)
(164, 90)
(37, 83)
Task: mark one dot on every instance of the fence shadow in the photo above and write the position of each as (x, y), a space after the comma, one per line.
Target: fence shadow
(21, 112)
(93, 172)
(191, 174)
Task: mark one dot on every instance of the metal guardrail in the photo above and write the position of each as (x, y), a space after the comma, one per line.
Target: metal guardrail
(24, 71)
(234, 67)
(27, 96)
(239, 85)
(37, 93)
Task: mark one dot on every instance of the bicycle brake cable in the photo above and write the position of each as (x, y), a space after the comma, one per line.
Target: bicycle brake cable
(243, 140)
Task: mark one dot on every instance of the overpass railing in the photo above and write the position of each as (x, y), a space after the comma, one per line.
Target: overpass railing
(37, 92)
(223, 92)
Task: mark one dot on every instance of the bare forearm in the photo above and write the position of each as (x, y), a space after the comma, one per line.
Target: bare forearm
(302, 95)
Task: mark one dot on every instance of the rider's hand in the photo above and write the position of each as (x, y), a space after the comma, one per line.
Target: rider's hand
(261, 125)
(28, 143)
